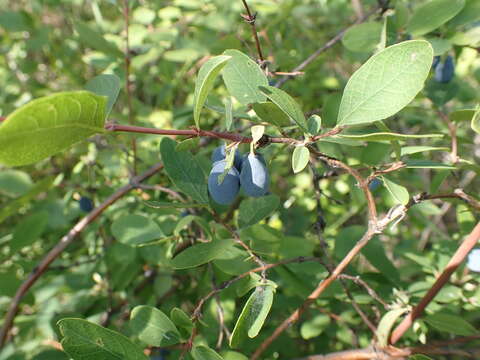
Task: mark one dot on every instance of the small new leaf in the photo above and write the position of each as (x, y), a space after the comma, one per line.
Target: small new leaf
(300, 158)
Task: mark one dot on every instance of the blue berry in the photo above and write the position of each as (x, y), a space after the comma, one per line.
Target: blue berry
(254, 176)
(473, 262)
(225, 192)
(219, 155)
(374, 184)
(85, 204)
(445, 71)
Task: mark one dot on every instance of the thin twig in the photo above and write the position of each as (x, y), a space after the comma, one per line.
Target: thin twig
(250, 19)
(323, 48)
(57, 250)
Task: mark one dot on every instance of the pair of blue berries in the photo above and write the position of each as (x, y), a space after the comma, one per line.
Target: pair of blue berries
(248, 172)
(444, 71)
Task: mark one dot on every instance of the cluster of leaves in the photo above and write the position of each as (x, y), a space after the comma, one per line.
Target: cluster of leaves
(143, 266)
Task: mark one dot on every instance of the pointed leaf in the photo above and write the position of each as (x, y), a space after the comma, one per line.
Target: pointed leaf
(153, 327)
(242, 77)
(253, 315)
(287, 104)
(88, 341)
(105, 85)
(451, 324)
(200, 254)
(48, 125)
(184, 171)
(204, 83)
(300, 158)
(399, 193)
(386, 83)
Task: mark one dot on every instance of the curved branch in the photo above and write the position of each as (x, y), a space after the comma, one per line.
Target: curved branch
(55, 252)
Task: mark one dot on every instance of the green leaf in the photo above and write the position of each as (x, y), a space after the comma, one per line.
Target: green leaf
(362, 37)
(374, 252)
(432, 14)
(252, 210)
(182, 321)
(48, 125)
(387, 136)
(469, 13)
(228, 113)
(204, 83)
(12, 207)
(29, 230)
(200, 254)
(409, 150)
(105, 85)
(184, 171)
(419, 357)
(242, 77)
(300, 158)
(386, 324)
(313, 327)
(14, 183)
(314, 124)
(153, 327)
(271, 113)
(462, 115)
(188, 144)
(372, 95)
(476, 120)
(253, 315)
(427, 164)
(451, 324)
(399, 193)
(287, 104)
(202, 352)
(164, 204)
(88, 341)
(135, 230)
(187, 220)
(440, 46)
(95, 40)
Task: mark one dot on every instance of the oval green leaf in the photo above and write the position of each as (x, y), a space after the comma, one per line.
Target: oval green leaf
(204, 83)
(200, 254)
(242, 77)
(386, 83)
(271, 113)
(287, 104)
(252, 210)
(105, 85)
(48, 125)
(432, 14)
(135, 230)
(253, 315)
(398, 192)
(451, 324)
(184, 171)
(88, 341)
(363, 37)
(300, 158)
(153, 327)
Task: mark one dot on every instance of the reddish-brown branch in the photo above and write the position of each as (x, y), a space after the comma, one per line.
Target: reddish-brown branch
(235, 137)
(459, 256)
(57, 250)
(250, 19)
